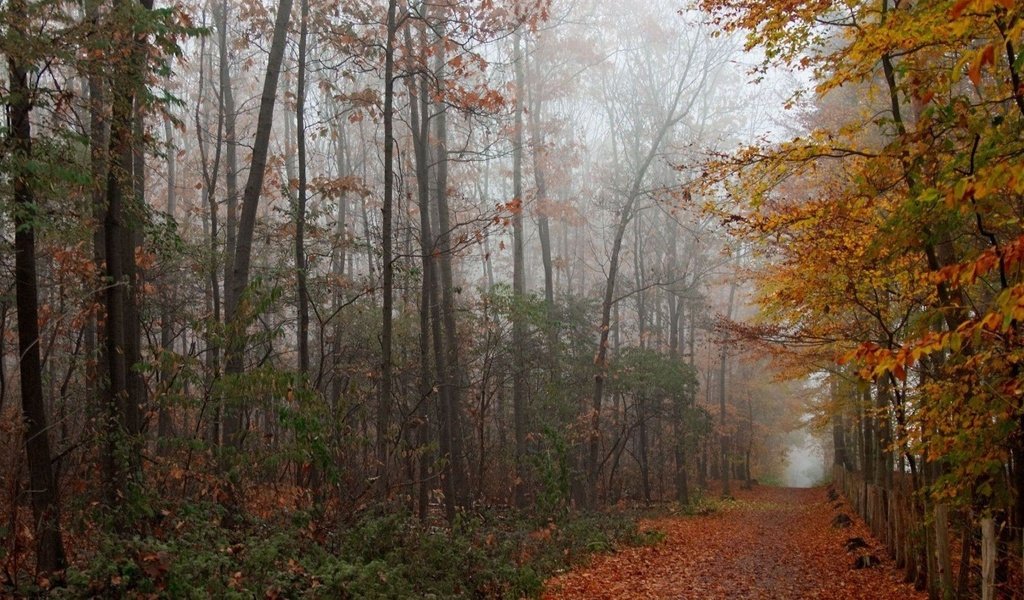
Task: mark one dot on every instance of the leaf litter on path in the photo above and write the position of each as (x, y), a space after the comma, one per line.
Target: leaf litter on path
(770, 543)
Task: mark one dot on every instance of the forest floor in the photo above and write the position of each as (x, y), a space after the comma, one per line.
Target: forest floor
(769, 543)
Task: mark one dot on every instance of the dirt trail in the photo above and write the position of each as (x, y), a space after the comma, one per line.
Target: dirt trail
(770, 543)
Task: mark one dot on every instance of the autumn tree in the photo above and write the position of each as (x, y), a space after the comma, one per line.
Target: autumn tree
(909, 185)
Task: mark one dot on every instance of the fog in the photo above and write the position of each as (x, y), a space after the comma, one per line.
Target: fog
(471, 251)
(805, 462)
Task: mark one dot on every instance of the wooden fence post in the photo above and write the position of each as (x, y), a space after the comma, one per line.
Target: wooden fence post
(988, 558)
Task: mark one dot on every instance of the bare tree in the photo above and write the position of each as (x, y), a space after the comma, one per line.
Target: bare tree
(519, 361)
(387, 306)
(692, 64)
(235, 314)
(301, 273)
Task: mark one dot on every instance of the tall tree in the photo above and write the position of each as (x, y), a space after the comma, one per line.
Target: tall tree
(122, 223)
(519, 360)
(210, 169)
(451, 406)
(682, 98)
(228, 114)
(301, 269)
(165, 424)
(43, 492)
(418, 109)
(388, 304)
(723, 433)
(236, 314)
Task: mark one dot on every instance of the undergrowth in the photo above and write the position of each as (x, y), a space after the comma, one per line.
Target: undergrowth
(490, 554)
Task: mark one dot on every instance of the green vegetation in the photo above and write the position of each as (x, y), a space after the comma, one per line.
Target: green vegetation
(489, 555)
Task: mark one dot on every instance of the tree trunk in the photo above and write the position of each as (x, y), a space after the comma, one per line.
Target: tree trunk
(229, 116)
(370, 262)
(384, 406)
(543, 225)
(676, 315)
(235, 314)
(645, 471)
(838, 425)
(300, 209)
(942, 560)
(748, 480)
(120, 236)
(211, 228)
(453, 372)
(43, 493)
(519, 374)
(136, 274)
(165, 425)
(420, 132)
(338, 257)
(989, 557)
(99, 143)
(723, 433)
(883, 407)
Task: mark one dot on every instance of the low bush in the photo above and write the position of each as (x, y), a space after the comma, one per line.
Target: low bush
(489, 554)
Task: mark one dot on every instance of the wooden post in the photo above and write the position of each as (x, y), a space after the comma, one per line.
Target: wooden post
(988, 558)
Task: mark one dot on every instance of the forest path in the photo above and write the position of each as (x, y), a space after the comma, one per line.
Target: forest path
(770, 543)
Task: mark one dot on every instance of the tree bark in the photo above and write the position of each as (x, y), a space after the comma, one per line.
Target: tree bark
(989, 558)
(444, 249)
(420, 131)
(942, 559)
(99, 143)
(675, 337)
(236, 315)
(301, 291)
(122, 215)
(748, 480)
(723, 434)
(519, 375)
(543, 225)
(211, 228)
(838, 425)
(165, 425)
(384, 406)
(43, 494)
(642, 443)
(229, 116)
(338, 258)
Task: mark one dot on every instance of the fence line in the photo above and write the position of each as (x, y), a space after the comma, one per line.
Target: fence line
(889, 513)
(894, 519)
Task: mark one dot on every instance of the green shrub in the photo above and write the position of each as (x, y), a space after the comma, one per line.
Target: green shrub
(488, 555)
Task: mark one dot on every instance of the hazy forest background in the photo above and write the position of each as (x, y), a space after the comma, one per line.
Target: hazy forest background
(395, 298)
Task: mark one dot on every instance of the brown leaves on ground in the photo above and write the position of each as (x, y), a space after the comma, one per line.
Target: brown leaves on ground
(769, 543)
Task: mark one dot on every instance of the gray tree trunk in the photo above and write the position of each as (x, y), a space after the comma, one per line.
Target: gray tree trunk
(723, 435)
(239, 280)
(444, 251)
(519, 374)
(165, 426)
(302, 292)
(384, 402)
